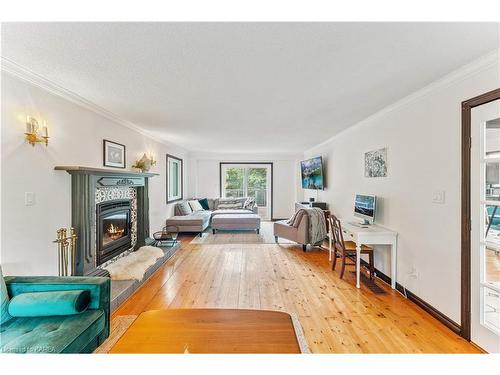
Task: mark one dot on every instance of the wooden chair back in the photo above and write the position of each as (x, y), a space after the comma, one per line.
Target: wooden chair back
(338, 238)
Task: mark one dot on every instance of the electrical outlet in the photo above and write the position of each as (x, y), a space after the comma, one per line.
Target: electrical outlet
(29, 198)
(413, 272)
(438, 196)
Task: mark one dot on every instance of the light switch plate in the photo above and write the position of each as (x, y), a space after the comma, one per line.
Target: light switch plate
(29, 198)
(438, 197)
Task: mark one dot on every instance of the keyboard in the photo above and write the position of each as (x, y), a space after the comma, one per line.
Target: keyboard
(359, 225)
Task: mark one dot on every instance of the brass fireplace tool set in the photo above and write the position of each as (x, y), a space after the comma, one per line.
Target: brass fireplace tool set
(66, 249)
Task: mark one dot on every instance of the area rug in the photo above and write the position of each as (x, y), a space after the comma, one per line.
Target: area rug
(299, 333)
(118, 327)
(266, 235)
(135, 264)
(120, 324)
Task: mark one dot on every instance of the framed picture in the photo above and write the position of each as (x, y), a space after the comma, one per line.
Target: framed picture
(174, 179)
(376, 163)
(113, 154)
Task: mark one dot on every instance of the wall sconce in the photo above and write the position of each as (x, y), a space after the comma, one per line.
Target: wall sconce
(144, 163)
(33, 132)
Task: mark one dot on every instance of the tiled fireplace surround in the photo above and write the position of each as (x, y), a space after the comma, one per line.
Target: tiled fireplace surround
(109, 194)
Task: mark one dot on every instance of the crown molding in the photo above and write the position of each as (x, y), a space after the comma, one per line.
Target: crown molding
(246, 156)
(12, 68)
(484, 62)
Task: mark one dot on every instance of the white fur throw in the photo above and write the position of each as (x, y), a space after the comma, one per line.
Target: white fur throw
(135, 264)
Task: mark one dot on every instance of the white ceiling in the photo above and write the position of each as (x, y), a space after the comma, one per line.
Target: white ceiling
(245, 87)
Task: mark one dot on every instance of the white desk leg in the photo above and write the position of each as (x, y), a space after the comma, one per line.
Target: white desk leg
(394, 265)
(358, 264)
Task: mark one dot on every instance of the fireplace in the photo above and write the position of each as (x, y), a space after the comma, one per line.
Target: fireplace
(95, 194)
(113, 225)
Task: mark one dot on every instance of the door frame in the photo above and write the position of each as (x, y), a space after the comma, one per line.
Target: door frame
(245, 163)
(465, 304)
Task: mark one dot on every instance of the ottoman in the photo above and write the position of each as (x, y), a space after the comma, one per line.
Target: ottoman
(236, 222)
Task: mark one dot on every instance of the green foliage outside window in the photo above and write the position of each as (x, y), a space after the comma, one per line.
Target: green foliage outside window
(256, 183)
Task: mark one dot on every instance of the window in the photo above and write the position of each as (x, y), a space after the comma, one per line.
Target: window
(174, 179)
(240, 180)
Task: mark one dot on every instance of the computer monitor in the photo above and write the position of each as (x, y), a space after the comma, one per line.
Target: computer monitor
(364, 208)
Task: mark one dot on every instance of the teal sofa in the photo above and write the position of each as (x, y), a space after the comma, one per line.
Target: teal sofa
(79, 333)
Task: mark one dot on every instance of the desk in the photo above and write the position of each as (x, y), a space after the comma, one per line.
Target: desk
(373, 235)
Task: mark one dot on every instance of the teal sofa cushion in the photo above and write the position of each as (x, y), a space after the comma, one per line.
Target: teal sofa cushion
(99, 287)
(57, 334)
(4, 299)
(204, 203)
(38, 304)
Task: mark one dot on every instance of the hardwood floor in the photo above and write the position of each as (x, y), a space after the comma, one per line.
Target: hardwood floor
(336, 317)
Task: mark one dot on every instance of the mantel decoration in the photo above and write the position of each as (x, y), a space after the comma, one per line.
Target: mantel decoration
(376, 163)
(113, 154)
(145, 163)
(66, 251)
(33, 132)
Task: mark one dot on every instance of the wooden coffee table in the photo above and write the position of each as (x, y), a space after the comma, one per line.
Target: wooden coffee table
(209, 331)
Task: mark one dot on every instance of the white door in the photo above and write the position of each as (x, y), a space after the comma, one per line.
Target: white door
(485, 226)
(248, 180)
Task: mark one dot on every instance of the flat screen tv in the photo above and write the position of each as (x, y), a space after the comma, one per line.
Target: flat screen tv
(312, 173)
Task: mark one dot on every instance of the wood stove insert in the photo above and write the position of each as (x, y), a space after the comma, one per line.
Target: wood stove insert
(113, 225)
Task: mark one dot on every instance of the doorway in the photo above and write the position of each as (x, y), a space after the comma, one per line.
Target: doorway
(254, 180)
(481, 221)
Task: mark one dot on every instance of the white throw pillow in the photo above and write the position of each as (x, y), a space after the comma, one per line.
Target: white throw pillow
(195, 206)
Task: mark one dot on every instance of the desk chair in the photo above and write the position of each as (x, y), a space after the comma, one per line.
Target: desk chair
(346, 249)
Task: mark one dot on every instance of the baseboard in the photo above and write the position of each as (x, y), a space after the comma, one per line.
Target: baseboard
(431, 310)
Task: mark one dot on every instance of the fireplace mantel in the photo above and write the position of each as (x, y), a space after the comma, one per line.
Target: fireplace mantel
(76, 169)
(85, 182)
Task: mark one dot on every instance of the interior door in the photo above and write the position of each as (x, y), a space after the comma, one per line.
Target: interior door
(485, 226)
(248, 180)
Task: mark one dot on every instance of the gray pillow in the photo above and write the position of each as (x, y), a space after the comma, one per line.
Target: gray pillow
(211, 203)
(184, 209)
(229, 206)
(233, 203)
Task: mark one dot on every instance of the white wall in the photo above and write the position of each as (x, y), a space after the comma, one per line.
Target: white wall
(205, 179)
(76, 139)
(423, 137)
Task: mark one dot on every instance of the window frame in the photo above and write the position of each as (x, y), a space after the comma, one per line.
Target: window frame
(180, 174)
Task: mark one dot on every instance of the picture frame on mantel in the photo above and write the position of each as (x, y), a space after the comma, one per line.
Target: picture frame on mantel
(174, 179)
(113, 154)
